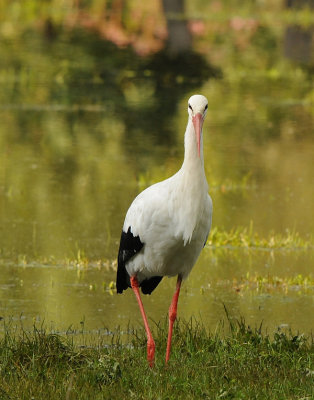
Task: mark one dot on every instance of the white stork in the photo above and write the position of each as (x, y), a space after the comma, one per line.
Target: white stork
(167, 226)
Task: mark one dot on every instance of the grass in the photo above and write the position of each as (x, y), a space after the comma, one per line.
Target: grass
(243, 237)
(243, 364)
(267, 284)
(270, 282)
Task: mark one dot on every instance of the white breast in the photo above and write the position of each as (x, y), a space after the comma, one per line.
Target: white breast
(172, 225)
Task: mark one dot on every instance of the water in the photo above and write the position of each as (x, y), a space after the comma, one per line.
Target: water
(86, 125)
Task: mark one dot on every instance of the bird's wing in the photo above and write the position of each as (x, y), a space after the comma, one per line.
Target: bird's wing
(210, 209)
(129, 246)
(146, 214)
(150, 212)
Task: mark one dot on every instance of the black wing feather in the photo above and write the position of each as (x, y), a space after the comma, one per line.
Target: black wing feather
(130, 245)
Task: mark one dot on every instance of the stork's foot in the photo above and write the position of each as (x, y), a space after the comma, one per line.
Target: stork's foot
(151, 352)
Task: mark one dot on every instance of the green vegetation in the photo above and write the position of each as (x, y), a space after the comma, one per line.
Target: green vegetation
(269, 283)
(247, 238)
(266, 284)
(243, 364)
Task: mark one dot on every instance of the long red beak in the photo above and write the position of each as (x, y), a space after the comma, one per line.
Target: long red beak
(198, 124)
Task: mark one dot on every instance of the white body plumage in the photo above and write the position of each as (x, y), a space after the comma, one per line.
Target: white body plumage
(173, 218)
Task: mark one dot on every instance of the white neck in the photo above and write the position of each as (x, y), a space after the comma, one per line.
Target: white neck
(191, 186)
(193, 164)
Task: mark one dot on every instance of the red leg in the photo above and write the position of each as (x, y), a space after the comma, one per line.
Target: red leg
(173, 316)
(150, 340)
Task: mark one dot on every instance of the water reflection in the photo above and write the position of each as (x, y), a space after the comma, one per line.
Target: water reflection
(62, 297)
(298, 40)
(179, 37)
(87, 124)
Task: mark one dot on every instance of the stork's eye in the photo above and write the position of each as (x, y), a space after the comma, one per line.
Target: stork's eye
(190, 107)
(206, 107)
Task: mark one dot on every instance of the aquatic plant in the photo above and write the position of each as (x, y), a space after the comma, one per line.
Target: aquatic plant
(247, 238)
(270, 282)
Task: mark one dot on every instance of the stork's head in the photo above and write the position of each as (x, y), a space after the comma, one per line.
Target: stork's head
(197, 110)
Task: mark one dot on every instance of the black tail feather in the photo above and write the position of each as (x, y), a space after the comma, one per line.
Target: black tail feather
(148, 285)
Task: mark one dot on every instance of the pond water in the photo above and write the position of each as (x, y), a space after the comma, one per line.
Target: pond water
(86, 125)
